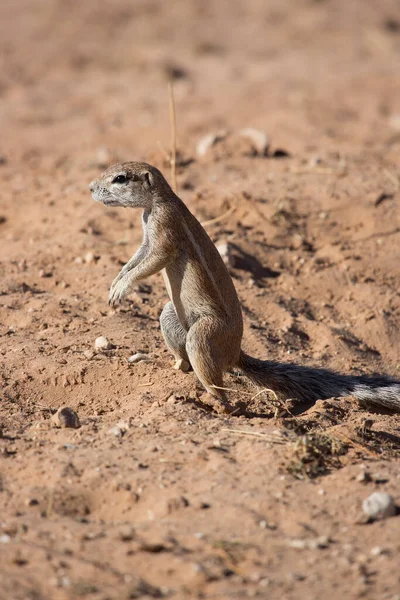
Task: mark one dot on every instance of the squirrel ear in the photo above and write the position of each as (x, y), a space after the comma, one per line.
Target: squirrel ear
(147, 179)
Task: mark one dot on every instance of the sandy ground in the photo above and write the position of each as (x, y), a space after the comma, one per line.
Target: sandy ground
(155, 496)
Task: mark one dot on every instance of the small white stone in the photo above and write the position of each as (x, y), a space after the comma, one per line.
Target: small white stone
(377, 551)
(363, 477)
(138, 357)
(317, 543)
(103, 157)
(379, 505)
(394, 121)
(102, 343)
(258, 138)
(209, 140)
(119, 429)
(226, 252)
(263, 524)
(89, 257)
(298, 544)
(4, 539)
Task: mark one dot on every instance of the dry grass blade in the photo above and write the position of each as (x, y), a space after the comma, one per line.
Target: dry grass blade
(253, 396)
(313, 170)
(275, 397)
(356, 445)
(220, 218)
(274, 438)
(172, 117)
(395, 180)
(164, 152)
(225, 389)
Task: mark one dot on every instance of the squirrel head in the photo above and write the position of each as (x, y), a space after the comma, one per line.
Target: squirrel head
(129, 184)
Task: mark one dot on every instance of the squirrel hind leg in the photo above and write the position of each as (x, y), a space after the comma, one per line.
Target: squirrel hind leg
(206, 364)
(175, 337)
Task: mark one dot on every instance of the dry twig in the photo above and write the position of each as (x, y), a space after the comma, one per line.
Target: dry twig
(220, 218)
(172, 117)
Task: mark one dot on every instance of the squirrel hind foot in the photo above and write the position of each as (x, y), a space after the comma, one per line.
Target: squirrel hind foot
(182, 365)
(223, 407)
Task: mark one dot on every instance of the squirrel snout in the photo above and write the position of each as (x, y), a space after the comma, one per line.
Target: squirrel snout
(91, 186)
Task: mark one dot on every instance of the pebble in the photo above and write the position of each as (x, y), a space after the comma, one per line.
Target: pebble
(379, 505)
(89, 354)
(119, 429)
(209, 140)
(66, 417)
(5, 539)
(44, 273)
(364, 477)
(103, 157)
(90, 257)
(319, 542)
(226, 251)
(378, 551)
(126, 533)
(138, 357)
(258, 138)
(102, 343)
(394, 121)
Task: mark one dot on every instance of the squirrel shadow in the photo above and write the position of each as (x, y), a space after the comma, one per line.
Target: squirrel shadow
(246, 262)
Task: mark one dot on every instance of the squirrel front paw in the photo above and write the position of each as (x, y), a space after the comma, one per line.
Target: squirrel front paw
(118, 291)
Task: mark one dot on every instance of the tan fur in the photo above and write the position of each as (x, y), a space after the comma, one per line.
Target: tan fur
(202, 324)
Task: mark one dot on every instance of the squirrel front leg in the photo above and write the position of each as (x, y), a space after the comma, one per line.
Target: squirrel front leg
(144, 263)
(131, 264)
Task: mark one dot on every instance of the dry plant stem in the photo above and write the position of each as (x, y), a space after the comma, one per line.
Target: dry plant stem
(314, 170)
(225, 389)
(269, 437)
(163, 151)
(253, 396)
(49, 508)
(395, 180)
(355, 445)
(172, 117)
(220, 218)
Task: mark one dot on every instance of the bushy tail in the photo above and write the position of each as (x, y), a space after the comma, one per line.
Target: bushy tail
(309, 384)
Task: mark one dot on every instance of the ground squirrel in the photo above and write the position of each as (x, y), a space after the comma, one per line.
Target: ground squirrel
(202, 324)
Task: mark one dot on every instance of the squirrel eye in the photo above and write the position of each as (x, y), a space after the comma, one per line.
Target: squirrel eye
(120, 179)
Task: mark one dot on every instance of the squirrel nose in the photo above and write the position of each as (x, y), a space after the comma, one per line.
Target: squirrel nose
(91, 186)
